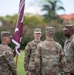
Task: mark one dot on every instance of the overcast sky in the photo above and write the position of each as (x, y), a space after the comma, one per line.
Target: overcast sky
(10, 7)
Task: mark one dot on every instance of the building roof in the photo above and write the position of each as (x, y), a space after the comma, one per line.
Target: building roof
(67, 16)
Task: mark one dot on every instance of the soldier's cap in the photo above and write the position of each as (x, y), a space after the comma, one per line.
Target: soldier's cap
(67, 27)
(6, 34)
(37, 30)
(50, 30)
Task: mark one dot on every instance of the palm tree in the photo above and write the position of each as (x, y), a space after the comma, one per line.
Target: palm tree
(50, 10)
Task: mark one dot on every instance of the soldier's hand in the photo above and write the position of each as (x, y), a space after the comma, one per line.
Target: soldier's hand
(27, 72)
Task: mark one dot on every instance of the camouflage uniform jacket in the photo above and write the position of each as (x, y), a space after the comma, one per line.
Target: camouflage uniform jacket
(68, 60)
(7, 64)
(47, 59)
(29, 63)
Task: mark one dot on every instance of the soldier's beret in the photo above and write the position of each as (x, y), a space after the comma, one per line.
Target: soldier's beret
(6, 34)
(37, 30)
(50, 30)
(66, 27)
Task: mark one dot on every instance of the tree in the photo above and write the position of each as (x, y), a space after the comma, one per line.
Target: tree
(50, 9)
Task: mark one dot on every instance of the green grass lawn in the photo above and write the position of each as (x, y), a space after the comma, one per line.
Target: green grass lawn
(20, 64)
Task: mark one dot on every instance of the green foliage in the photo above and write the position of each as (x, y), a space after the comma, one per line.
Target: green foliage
(59, 37)
(33, 20)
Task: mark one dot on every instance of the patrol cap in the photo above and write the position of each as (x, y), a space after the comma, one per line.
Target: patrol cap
(67, 27)
(6, 34)
(37, 30)
(50, 30)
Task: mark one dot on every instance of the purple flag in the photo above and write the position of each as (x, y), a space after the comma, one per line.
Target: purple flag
(19, 26)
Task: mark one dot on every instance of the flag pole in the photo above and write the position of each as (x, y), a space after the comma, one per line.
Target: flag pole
(18, 30)
(16, 60)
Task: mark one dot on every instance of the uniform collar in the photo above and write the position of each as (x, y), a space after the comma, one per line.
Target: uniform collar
(69, 39)
(49, 39)
(34, 42)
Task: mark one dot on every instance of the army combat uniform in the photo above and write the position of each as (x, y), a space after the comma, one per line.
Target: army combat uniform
(68, 59)
(30, 56)
(29, 60)
(69, 55)
(7, 64)
(48, 56)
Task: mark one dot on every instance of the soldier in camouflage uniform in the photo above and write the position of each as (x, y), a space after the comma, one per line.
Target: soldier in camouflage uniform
(68, 60)
(29, 63)
(48, 55)
(7, 64)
